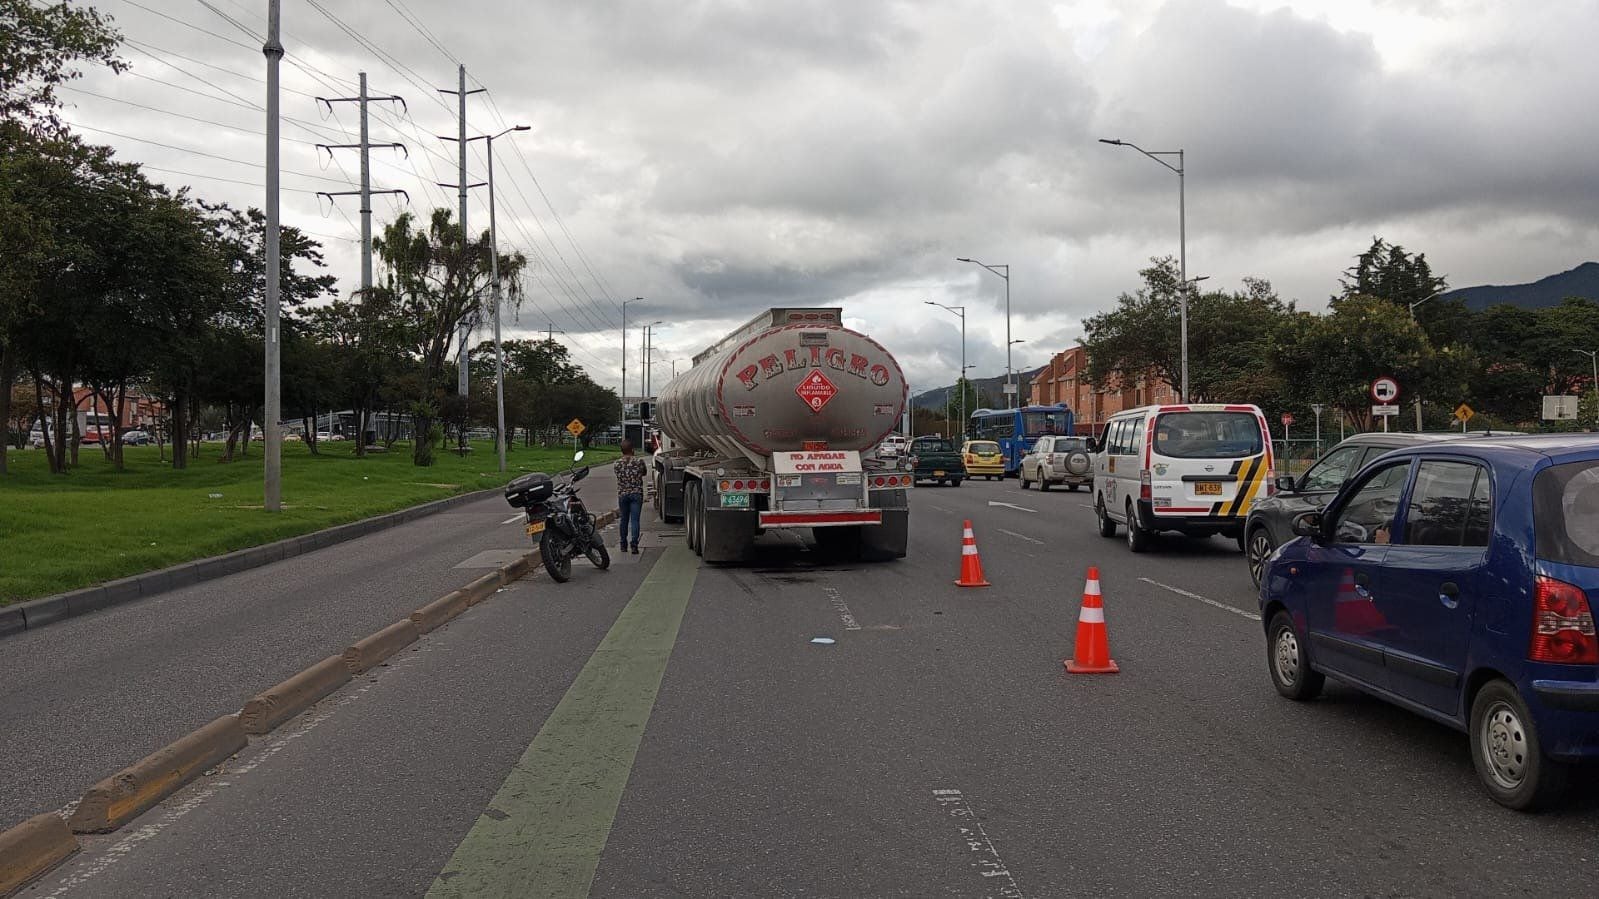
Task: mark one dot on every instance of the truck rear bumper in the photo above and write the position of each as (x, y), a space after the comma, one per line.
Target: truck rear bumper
(819, 519)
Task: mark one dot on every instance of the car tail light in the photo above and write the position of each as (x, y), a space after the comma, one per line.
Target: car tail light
(1562, 625)
(766, 483)
(913, 461)
(1271, 482)
(726, 486)
(1144, 481)
(970, 458)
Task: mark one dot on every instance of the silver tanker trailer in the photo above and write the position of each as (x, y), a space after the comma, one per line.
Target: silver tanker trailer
(771, 428)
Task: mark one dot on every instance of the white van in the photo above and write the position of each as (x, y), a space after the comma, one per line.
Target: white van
(1194, 469)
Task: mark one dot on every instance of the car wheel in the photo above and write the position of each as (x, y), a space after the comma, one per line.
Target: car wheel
(1290, 670)
(1507, 753)
(956, 482)
(1043, 484)
(1023, 478)
(1107, 527)
(1137, 538)
(1258, 548)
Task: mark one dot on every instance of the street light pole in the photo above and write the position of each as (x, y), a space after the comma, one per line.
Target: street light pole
(625, 304)
(960, 311)
(1316, 408)
(1010, 382)
(1413, 321)
(1182, 240)
(1593, 356)
(271, 433)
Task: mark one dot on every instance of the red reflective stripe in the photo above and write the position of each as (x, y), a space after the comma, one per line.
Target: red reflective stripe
(1240, 408)
(1159, 510)
(806, 518)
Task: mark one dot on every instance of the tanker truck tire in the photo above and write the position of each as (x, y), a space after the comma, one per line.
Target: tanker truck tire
(691, 515)
(838, 544)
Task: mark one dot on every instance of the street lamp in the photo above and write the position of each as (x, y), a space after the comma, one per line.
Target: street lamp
(1182, 239)
(625, 304)
(494, 276)
(1593, 356)
(1413, 319)
(1010, 384)
(960, 311)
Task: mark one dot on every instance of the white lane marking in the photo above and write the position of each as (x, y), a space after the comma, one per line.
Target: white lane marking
(844, 614)
(1086, 505)
(1020, 536)
(1209, 602)
(512, 520)
(165, 815)
(1012, 506)
(988, 863)
(942, 509)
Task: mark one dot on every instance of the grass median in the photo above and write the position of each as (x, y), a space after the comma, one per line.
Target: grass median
(96, 524)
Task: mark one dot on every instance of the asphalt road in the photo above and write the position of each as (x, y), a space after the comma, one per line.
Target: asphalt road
(663, 729)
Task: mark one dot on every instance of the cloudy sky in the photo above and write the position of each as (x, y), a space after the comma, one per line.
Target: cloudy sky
(720, 156)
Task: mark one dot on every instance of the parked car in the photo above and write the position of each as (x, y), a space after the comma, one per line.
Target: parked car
(892, 447)
(91, 437)
(983, 459)
(1058, 460)
(1270, 521)
(1457, 580)
(1194, 469)
(137, 438)
(935, 459)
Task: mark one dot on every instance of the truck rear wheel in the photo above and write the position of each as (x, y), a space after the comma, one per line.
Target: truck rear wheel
(693, 513)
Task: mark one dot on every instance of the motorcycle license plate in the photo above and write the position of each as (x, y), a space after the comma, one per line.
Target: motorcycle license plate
(736, 500)
(535, 527)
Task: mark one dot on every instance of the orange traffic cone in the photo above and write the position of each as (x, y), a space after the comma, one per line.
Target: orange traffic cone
(1091, 655)
(971, 562)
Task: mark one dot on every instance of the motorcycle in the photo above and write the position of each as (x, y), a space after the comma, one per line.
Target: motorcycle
(557, 518)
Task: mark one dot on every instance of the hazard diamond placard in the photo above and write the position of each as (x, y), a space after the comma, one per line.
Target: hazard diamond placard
(816, 390)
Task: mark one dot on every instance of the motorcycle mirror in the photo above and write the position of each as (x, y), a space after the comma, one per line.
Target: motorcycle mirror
(580, 474)
(578, 456)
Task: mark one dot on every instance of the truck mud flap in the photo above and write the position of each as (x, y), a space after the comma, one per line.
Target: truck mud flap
(889, 539)
(729, 536)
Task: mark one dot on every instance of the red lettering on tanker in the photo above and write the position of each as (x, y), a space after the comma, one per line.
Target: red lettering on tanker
(771, 366)
(747, 377)
(880, 375)
(816, 390)
(835, 358)
(792, 358)
(857, 365)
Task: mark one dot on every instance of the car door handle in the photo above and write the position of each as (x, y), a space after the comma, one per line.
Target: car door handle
(1449, 594)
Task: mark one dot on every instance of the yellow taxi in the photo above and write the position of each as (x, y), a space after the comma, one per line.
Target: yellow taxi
(983, 459)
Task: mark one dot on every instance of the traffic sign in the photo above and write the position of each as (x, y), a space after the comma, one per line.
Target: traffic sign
(575, 427)
(1385, 390)
(816, 390)
(1288, 419)
(1463, 413)
(1384, 411)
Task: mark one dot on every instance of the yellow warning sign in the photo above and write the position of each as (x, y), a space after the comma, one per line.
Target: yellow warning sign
(1463, 413)
(575, 427)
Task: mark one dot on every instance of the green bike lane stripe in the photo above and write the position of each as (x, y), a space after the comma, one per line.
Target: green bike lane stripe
(543, 832)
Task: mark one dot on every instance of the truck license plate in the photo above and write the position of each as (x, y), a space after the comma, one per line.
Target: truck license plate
(1207, 488)
(735, 500)
(938, 473)
(535, 527)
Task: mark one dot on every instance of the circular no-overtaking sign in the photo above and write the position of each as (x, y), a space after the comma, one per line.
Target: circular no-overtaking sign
(1385, 390)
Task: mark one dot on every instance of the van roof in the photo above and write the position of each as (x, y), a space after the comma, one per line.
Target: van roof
(1189, 407)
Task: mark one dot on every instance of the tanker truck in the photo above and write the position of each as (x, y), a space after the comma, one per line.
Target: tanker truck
(772, 427)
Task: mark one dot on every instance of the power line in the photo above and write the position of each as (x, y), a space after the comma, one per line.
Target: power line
(219, 37)
(194, 152)
(415, 22)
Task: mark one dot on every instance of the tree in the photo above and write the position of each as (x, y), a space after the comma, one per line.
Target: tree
(436, 279)
(370, 343)
(40, 46)
(1529, 353)
(1333, 358)
(1390, 272)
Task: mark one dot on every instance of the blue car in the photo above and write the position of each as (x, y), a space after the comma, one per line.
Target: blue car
(1456, 580)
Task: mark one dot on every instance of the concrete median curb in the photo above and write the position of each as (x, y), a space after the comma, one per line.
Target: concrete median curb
(32, 848)
(268, 709)
(22, 616)
(485, 586)
(369, 652)
(435, 614)
(126, 794)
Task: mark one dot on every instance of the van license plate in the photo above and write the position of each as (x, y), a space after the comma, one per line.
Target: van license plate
(535, 527)
(1207, 488)
(735, 500)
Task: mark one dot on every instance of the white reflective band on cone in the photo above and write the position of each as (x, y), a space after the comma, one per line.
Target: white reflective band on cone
(968, 550)
(968, 535)
(1091, 616)
(1091, 588)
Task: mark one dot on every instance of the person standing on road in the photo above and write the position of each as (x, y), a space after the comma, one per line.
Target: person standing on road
(629, 494)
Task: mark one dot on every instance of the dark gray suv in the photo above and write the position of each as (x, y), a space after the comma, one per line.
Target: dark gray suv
(1270, 521)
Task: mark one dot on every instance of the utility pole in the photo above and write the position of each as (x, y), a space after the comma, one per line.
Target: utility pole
(551, 331)
(366, 191)
(461, 380)
(625, 304)
(272, 499)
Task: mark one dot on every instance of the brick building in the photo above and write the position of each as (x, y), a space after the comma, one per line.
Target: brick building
(1065, 380)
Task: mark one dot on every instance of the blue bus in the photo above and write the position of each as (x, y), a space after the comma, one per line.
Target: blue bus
(1015, 429)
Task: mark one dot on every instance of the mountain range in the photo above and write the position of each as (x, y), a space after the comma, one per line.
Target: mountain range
(1582, 281)
(992, 388)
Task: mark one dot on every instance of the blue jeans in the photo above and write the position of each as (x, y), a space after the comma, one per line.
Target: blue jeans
(628, 508)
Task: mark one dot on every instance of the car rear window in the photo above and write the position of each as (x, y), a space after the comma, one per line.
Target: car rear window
(983, 446)
(934, 446)
(1207, 435)
(1565, 508)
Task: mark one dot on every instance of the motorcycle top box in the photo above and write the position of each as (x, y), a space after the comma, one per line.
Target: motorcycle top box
(529, 489)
